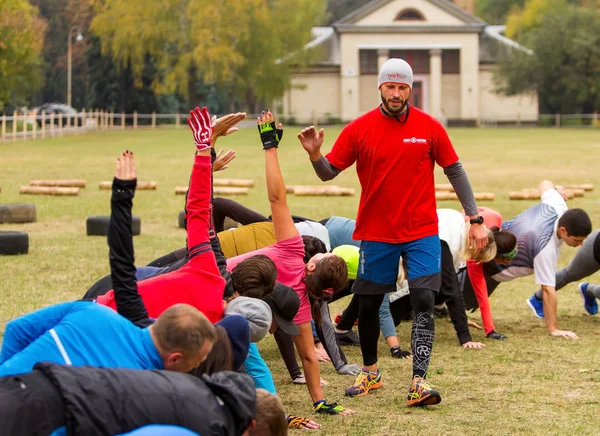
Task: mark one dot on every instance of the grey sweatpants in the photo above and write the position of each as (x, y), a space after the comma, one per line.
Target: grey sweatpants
(583, 265)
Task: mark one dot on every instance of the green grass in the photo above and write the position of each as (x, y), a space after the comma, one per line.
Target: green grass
(530, 384)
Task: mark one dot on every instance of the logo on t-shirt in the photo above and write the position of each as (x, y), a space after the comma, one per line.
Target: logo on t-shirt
(414, 140)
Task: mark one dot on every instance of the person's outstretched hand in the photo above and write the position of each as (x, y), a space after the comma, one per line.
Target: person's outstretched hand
(473, 345)
(225, 125)
(312, 141)
(223, 159)
(125, 168)
(563, 334)
(270, 134)
(202, 128)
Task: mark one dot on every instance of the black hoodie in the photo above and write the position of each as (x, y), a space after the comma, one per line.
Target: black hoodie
(109, 401)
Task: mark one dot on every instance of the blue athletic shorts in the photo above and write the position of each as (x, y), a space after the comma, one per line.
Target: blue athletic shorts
(378, 265)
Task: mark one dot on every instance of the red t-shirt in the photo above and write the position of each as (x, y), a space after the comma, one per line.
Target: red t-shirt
(199, 282)
(394, 163)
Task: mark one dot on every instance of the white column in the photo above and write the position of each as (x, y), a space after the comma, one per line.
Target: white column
(383, 54)
(350, 83)
(435, 83)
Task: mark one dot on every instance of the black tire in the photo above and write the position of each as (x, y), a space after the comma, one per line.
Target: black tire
(98, 225)
(17, 213)
(181, 219)
(14, 243)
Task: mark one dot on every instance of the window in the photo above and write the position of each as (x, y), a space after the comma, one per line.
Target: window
(450, 61)
(417, 59)
(409, 14)
(368, 61)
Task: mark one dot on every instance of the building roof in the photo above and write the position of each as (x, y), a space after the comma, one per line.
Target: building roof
(374, 5)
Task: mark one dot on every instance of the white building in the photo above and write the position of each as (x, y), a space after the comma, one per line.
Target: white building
(451, 51)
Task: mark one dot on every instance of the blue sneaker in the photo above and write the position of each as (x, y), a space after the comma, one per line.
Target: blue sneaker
(536, 305)
(589, 303)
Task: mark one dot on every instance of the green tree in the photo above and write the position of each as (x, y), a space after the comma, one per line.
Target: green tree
(21, 36)
(62, 16)
(564, 69)
(496, 11)
(232, 44)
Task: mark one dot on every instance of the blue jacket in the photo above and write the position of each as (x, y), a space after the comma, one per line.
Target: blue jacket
(76, 333)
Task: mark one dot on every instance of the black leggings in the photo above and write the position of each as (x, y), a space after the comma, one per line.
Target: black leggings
(368, 326)
(224, 207)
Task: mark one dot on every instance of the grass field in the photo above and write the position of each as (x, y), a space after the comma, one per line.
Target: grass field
(530, 384)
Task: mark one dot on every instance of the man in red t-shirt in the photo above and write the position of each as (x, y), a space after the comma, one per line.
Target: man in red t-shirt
(395, 147)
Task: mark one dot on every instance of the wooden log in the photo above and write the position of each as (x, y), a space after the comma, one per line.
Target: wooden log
(241, 183)
(323, 191)
(226, 190)
(291, 188)
(584, 186)
(61, 183)
(141, 186)
(447, 187)
(479, 196)
(534, 194)
(47, 190)
(218, 190)
(524, 195)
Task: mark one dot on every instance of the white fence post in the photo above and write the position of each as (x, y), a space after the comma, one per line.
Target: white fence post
(43, 127)
(24, 127)
(557, 120)
(153, 119)
(60, 124)
(34, 131)
(135, 119)
(52, 124)
(14, 126)
(122, 120)
(3, 127)
(177, 120)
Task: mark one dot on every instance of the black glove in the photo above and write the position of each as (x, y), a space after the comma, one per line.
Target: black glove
(399, 353)
(495, 335)
(270, 135)
(328, 409)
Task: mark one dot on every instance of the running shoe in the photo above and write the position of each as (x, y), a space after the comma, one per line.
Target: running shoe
(365, 381)
(421, 393)
(589, 302)
(348, 338)
(537, 306)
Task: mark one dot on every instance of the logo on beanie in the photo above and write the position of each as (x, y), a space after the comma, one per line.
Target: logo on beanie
(396, 76)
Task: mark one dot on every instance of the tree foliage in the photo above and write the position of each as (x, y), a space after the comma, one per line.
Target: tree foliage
(21, 38)
(496, 11)
(564, 68)
(233, 44)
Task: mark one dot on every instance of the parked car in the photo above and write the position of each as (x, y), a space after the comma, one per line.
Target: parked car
(55, 108)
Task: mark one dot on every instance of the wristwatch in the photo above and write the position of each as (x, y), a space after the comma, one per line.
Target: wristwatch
(478, 220)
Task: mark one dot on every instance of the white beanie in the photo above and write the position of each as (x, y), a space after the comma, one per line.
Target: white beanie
(395, 71)
(257, 312)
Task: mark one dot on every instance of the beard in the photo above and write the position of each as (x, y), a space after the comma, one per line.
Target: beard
(394, 110)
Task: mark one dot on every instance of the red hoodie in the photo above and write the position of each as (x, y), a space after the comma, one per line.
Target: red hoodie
(199, 282)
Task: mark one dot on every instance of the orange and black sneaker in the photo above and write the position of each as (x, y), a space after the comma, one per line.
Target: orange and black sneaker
(365, 381)
(421, 393)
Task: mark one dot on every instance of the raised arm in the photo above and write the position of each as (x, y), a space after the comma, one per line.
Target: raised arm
(311, 142)
(270, 135)
(120, 243)
(197, 205)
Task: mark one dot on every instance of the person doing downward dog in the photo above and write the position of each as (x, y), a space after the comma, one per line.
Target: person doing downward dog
(317, 279)
(395, 148)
